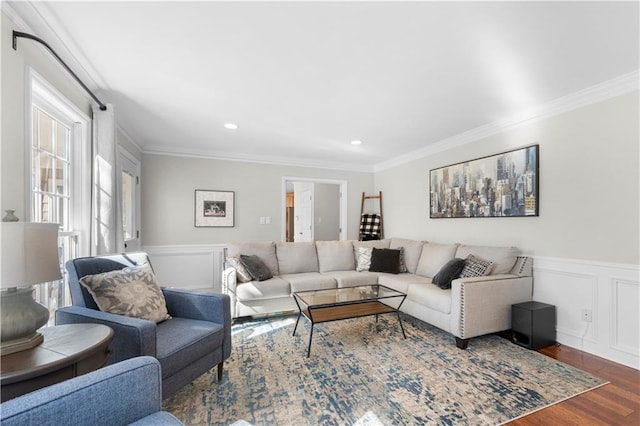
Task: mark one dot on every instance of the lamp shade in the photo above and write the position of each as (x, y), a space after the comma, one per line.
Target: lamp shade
(29, 254)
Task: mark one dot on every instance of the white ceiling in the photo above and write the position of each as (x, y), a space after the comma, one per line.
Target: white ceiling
(303, 79)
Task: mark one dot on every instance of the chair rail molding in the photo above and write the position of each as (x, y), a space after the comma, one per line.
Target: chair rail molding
(194, 267)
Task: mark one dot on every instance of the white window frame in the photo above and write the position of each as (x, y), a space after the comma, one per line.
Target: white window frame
(44, 95)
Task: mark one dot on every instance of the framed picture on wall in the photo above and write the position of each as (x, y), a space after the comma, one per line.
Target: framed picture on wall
(214, 208)
(501, 185)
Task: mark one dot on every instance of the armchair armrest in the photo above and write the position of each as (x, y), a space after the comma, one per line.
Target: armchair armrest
(482, 305)
(132, 337)
(229, 284)
(122, 393)
(198, 305)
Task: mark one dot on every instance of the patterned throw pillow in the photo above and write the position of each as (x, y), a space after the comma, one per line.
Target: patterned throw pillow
(403, 264)
(476, 267)
(364, 259)
(132, 291)
(241, 272)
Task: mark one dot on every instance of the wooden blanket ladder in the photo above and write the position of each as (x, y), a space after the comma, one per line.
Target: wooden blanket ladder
(371, 225)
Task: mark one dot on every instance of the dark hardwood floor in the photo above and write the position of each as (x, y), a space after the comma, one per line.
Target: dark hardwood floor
(617, 403)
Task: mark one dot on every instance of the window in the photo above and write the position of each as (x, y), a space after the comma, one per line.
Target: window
(60, 178)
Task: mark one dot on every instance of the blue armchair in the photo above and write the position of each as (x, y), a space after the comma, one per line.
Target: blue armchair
(194, 340)
(125, 393)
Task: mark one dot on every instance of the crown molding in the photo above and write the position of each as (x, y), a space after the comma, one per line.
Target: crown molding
(37, 18)
(600, 92)
(241, 157)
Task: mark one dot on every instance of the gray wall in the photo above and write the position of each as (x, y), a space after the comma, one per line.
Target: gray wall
(589, 188)
(168, 184)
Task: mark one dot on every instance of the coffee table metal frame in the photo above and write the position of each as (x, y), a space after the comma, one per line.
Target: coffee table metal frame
(336, 304)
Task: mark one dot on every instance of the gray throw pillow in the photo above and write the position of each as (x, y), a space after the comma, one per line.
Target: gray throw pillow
(256, 267)
(132, 291)
(241, 272)
(449, 272)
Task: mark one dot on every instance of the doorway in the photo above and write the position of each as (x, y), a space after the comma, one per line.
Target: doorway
(313, 209)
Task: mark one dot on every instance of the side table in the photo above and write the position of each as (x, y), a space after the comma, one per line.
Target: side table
(67, 351)
(533, 324)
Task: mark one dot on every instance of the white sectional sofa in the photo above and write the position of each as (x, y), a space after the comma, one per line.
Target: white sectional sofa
(473, 306)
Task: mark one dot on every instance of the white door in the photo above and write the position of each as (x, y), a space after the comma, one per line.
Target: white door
(129, 181)
(303, 211)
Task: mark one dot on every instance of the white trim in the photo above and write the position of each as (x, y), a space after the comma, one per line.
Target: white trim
(588, 96)
(612, 332)
(343, 203)
(247, 158)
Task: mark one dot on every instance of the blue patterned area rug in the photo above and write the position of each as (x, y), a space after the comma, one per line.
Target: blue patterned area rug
(364, 373)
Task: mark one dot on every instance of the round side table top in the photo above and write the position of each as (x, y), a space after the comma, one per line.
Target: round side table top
(63, 345)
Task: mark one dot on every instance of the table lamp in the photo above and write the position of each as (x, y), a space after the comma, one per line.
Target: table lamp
(29, 256)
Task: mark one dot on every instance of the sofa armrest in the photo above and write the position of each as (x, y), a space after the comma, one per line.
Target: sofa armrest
(122, 393)
(229, 284)
(132, 337)
(482, 305)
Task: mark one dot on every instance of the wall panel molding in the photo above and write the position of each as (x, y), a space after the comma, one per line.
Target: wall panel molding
(610, 290)
(194, 266)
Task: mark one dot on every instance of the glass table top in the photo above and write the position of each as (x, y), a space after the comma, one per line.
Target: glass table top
(346, 295)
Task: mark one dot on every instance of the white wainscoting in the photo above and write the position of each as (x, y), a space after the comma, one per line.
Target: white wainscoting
(188, 266)
(610, 291)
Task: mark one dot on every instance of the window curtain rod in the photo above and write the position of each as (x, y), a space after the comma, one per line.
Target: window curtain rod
(17, 34)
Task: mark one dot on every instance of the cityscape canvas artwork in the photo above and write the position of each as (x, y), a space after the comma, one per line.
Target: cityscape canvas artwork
(500, 185)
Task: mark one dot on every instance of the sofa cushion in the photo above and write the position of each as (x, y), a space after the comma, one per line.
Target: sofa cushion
(503, 257)
(449, 272)
(335, 256)
(353, 278)
(256, 267)
(476, 267)
(242, 274)
(269, 289)
(433, 257)
(296, 257)
(401, 282)
(183, 341)
(132, 291)
(265, 250)
(308, 281)
(431, 296)
(385, 260)
(412, 251)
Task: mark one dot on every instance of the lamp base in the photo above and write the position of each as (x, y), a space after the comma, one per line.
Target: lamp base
(20, 318)
(20, 344)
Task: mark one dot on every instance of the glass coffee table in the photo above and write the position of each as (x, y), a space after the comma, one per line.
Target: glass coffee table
(335, 304)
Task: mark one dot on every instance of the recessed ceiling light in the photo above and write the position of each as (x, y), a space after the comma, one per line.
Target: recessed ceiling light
(230, 126)
(356, 142)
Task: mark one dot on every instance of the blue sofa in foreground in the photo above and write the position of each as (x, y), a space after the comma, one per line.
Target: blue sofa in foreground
(126, 393)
